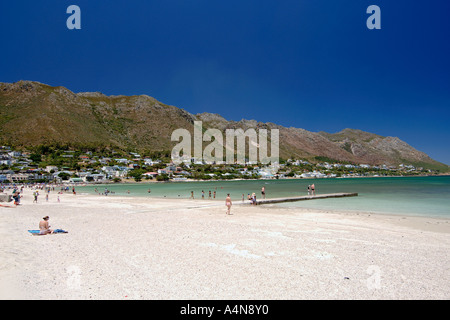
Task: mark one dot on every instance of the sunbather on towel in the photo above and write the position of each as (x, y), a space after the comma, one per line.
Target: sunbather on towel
(44, 226)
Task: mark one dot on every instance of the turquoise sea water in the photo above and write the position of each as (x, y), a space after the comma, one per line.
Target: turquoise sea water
(424, 196)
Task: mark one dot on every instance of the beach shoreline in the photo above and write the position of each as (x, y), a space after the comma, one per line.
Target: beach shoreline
(425, 223)
(125, 247)
(125, 181)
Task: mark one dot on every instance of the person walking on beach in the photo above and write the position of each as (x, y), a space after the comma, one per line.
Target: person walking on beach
(35, 194)
(214, 194)
(16, 197)
(203, 194)
(192, 194)
(228, 204)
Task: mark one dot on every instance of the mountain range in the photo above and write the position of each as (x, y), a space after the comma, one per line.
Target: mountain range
(32, 114)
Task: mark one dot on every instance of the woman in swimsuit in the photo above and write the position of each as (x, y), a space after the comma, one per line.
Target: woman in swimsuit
(44, 226)
(228, 204)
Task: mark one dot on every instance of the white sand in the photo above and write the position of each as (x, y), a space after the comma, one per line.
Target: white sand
(136, 248)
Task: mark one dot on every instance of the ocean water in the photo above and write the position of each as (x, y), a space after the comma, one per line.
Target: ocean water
(422, 196)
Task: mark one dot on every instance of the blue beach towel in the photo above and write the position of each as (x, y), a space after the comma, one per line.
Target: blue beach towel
(36, 232)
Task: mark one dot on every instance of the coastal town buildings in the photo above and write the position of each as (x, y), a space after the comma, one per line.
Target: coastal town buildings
(17, 166)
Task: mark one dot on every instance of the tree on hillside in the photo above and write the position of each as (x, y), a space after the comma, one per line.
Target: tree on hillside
(136, 174)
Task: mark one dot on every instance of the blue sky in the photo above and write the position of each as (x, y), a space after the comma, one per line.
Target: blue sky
(311, 64)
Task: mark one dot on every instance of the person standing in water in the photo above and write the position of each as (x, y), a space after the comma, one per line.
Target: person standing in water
(313, 190)
(263, 192)
(228, 204)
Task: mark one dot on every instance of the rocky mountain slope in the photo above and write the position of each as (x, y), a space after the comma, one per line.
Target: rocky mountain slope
(32, 113)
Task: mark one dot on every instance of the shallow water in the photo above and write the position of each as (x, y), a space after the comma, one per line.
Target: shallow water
(424, 196)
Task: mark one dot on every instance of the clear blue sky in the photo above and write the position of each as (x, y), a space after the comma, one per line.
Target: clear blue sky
(311, 64)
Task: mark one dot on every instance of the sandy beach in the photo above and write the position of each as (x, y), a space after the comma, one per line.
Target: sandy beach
(147, 248)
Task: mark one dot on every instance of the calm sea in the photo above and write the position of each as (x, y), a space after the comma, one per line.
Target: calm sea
(424, 196)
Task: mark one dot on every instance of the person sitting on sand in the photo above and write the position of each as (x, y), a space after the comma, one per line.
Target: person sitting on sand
(44, 227)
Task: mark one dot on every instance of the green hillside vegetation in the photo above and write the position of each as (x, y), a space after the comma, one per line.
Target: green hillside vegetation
(34, 115)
